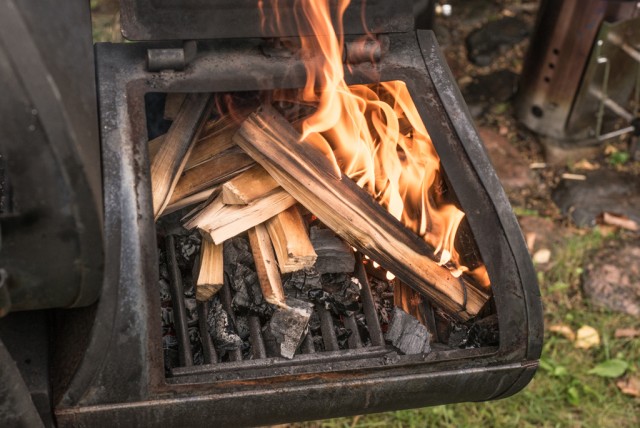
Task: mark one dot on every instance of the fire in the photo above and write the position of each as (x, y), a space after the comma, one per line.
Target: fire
(373, 133)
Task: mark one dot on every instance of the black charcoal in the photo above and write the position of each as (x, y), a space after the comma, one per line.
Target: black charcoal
(334, 255)
(298, 284)
(191, 307)
(289, 325)
(407, 334)
(221, 328)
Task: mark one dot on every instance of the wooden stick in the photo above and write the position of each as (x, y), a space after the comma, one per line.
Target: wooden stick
(172, 104)
(189, 200)
(169, 161)
(217, 138)
(352, 213)
(154, 146)
(226, 221)
(291, 242)
(266, 266)
(209, 271)
(215, 171)
(248, 186)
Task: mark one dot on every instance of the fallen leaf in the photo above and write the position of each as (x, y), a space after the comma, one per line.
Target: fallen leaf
(610, 368)
(586, 165)
(542, 256)
(576, 177)
(531, 240)
(563, 330)
(537, 165)
(587, 337)
(624, 333)
(629, 386)
(620, 221)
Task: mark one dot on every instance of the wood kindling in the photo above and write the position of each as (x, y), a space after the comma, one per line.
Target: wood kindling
(226, 221)
(169, 161)
(209, 270)
(266, 266)
(291, 242)
(316, 182)
(216, 170)
(248, 186)
(172, 104)
(190, 200)
(217, 138)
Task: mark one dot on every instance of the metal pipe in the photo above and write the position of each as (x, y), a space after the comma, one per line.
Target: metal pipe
(354, 338)
(225, 297)
(177, 297)
(328, 333)
(210, 355)
(255, 336)
(617, 133)
(368, 305)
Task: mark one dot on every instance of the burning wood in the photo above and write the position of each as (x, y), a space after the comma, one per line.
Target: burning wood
(293, 248)
(169, 161)
(226, 221)
(339, 203)
(209, 270)
(266, 266)
(248, 186)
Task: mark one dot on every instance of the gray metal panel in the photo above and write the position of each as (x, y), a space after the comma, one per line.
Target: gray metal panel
(217, 19)
(52, 238)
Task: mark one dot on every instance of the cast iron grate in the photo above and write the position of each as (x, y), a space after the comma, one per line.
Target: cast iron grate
(205, 333)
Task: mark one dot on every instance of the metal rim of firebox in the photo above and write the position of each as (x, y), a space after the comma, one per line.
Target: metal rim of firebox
(126, 314)
(164, 20)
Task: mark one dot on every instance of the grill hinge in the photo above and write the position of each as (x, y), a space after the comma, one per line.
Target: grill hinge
(171, 58)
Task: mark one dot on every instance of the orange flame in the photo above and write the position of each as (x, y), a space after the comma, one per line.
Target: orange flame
(374, 133)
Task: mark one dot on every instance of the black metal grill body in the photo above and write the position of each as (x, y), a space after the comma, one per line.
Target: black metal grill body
(120, 379)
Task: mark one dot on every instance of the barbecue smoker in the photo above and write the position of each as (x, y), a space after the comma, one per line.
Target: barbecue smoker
(75, 239)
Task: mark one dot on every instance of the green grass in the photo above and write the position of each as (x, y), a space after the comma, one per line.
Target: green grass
(562, 393)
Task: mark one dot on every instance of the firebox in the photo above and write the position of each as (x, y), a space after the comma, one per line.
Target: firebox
(148, 352)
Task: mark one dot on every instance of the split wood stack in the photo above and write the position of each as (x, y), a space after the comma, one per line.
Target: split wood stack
(255, 177)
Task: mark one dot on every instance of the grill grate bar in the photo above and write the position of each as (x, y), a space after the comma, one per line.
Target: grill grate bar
(179, 310)
(210, 355)
(368, 305)
(307, 345)
(258, 350)
(225, 297)
(354, 339)
(328, 333)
